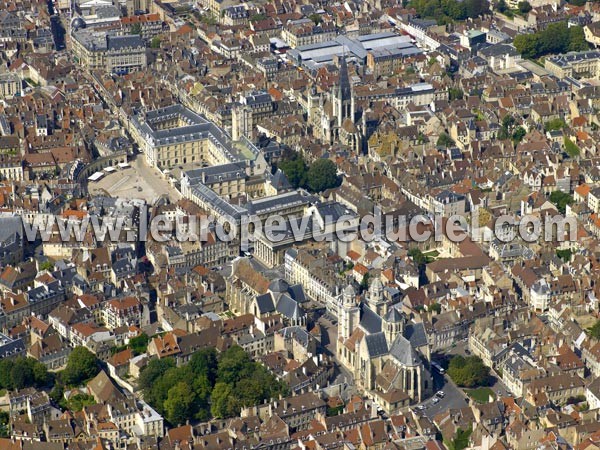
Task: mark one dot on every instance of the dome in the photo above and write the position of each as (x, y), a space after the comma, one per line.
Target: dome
(78, 23)
(376, 285)
(349, 291)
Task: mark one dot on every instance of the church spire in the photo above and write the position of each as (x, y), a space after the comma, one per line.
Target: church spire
(345, 90)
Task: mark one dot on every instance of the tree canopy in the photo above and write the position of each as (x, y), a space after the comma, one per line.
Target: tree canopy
(556, 38)
(446, 11)
(19, 373)
(468, 372)
(136, 29)
(319, 176)
(82, 365)
(78, 401)
(207, 386)
(594, 330)
(524, 7)
(444, 140)
(295, 169)
(561, 200)
(322, 175)
(460, 441)
(455, 94)
(555, 124)
(571, 148)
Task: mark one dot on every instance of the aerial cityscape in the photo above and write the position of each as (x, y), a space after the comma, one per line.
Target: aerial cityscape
(299, 225)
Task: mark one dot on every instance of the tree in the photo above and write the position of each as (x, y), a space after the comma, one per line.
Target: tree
(571, 148)
(79, 401)
(155, 42)
(205, 363)
(47, 265)
(159, 391)
(153, 371)
(5, 377)
(526, 45)
(218, 385)
(561, 200)
(139, 344)
(22, 374)
(444, 140)
(234, 365)
(565, 254)
(417, 256)
(19, 373)
(221, 400)
(81, 366)
(555, 124)
(455, 94)
(364, 283)
(594, 330)
(501, 6)
(508, 121)
(506, 129)
(468, 372)
(460, 441)
(179, 403)
(295, 169)
(577, 42)
(446, 11)
(316, 18)
(524, 7)
(4, 424)
(322, 175)
(136, 29)
(518, 134)
(57, 393)
(556, 38)
(41, 377)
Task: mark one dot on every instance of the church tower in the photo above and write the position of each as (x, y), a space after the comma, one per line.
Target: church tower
(349, 313)
(393, 325)
(242, 123)
(375, 298)
(342, 95)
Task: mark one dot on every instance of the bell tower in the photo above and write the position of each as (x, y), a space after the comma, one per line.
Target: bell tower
(342, 101)
(349, 313)
(375, 298)
(393, 325)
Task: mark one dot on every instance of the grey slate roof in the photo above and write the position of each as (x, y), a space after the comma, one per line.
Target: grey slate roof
(287, 307)
(416, 335)
(10, 227)
(297, 333)
(376, 344)
(297, 293)
(404, 353)
(10, 347)
(279, 285)
(265, 303)
(369, 320)
(280, 181)
(393, 315)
